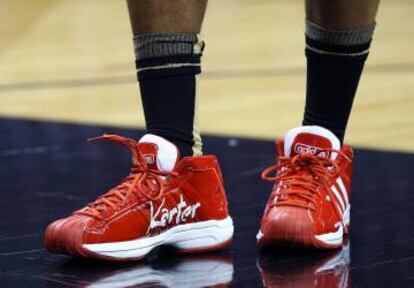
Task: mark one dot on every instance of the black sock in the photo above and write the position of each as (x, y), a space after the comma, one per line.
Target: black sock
(167, 65)
(335, 60)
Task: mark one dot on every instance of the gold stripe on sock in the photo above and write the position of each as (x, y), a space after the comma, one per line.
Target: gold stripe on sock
(168, 66)
(198, 144)
(365, 52)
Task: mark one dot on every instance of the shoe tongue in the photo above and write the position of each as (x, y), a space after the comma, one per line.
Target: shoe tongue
(311, 139)
(158, 153)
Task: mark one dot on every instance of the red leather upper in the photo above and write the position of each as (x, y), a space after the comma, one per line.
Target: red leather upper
(198, 188)
(283, 214)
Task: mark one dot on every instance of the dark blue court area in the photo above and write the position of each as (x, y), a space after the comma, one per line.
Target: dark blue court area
(47, 170)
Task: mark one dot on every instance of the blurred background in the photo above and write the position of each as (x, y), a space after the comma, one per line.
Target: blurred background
(73, 61)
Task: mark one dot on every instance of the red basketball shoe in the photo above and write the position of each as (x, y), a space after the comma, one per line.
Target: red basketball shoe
(309, 205)
(164, 201)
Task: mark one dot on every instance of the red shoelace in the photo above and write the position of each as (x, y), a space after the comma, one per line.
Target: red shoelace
(145, 183)
(299, 179)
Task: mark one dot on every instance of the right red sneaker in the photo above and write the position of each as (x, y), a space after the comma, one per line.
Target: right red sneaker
(164, 201)
(309, 205)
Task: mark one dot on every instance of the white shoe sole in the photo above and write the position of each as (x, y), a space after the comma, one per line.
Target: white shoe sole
(185, 237)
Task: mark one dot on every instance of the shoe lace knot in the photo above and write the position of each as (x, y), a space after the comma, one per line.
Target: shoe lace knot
(145, 183)
(300, 179)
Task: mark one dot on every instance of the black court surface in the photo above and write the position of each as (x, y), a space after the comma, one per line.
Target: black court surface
(48, 170)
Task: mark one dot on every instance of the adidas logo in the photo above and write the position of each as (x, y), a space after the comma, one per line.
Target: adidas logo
(304, 148)
(148, 158)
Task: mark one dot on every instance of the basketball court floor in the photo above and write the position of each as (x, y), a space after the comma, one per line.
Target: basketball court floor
(67, 74)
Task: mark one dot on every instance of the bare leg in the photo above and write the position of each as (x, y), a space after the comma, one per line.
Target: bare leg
(166, 16)
(342, 14)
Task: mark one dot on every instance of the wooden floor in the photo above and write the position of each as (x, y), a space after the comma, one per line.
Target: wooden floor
(72, 61)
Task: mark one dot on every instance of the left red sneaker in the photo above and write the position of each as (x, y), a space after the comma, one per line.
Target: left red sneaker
(164, 201)
(309, 205)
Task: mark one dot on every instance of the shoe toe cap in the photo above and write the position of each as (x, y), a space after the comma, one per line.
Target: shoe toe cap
(288, 225)
(66, 235)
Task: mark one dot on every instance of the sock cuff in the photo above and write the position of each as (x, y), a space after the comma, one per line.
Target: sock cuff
(156, 45)
(350, 37)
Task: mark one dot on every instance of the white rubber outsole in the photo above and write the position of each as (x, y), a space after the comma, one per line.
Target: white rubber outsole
(192, 236)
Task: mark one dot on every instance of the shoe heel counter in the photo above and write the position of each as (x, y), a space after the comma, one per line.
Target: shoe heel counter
(207, 180)
(221, 190)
